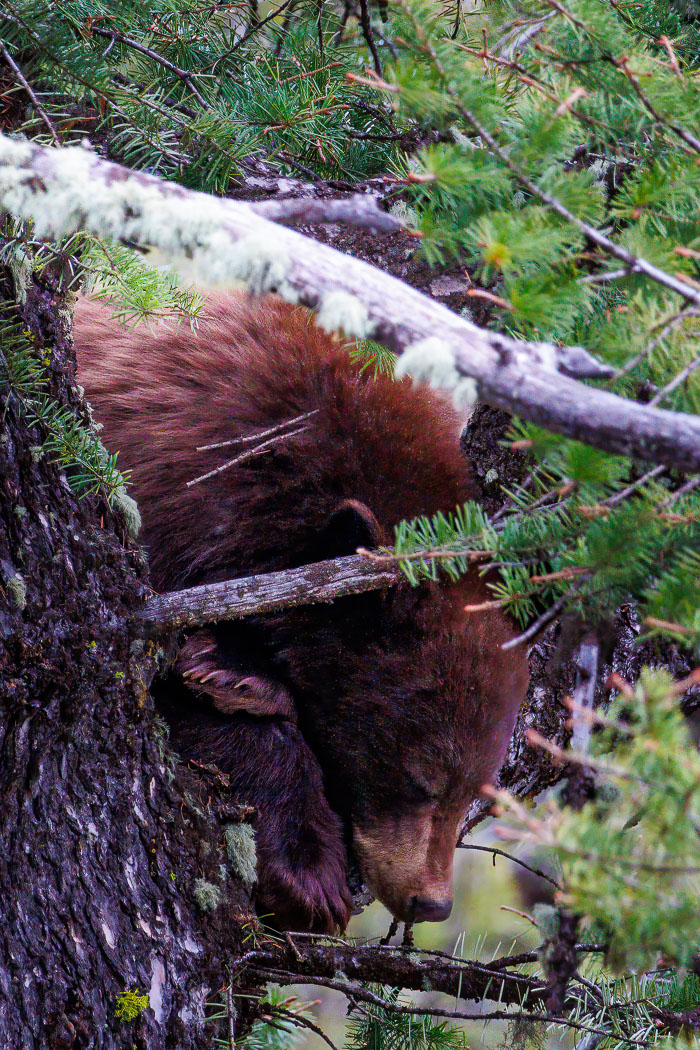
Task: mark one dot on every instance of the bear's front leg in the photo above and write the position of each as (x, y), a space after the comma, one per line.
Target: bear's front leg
(248, 729)
(302, 878)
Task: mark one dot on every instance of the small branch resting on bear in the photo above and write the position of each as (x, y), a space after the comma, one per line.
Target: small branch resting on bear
(322, 581)
(67, 190)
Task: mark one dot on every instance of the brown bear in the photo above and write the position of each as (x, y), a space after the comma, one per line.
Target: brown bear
(372, 721)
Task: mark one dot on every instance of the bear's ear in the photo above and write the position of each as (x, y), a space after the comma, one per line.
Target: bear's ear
(351, 525)
(231, 692)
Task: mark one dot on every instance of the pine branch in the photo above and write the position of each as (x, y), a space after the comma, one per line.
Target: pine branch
(181, 74)
(71, 189)
(413, 970)
(357, 971)
(635, 263)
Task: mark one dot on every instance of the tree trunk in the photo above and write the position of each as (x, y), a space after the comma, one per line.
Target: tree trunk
(102, 840)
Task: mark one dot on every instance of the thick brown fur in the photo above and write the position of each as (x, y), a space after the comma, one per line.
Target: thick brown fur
(378, 717)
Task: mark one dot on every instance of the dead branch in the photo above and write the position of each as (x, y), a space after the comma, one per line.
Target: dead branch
(358, 210)
(22, 80)
(509, 856)
(73, 189)
(323, 581)
(396, 967)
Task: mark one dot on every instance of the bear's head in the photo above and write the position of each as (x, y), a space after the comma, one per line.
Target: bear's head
(409, 702)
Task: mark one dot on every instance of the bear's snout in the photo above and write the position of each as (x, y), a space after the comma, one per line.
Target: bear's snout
(426, 910)
(407, 864)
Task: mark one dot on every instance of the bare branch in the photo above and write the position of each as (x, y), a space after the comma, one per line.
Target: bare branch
(366, 24)
(664, 329)
(350, 968)
(675, 382)
(322, 581)
(19, 75)
(248, 454)
(537, 626)
(73, 189)
(683, 133)
(358, 210)
(407, 968)
(258, 435)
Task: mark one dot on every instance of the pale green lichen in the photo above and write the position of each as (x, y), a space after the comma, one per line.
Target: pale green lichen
(207, 896)
(547, 919)
(130, 510)
(241, 851)
(260, 262)
(404, 212)
(433, 361)
(76, 191)
(341, 311)
(17, 590)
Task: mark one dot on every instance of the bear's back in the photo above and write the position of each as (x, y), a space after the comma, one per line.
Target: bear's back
(164, 391)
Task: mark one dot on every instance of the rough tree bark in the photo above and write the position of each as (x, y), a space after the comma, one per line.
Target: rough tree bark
(102, 838)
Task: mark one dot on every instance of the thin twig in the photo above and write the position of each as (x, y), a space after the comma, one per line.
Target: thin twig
(683, 133)
(672, 323)
(608, 275)
(258, 434)
(509, 856)
(366, 25)
(181, 74)
(675, 382)
(358, 993)
(682, 491)
(525, 78)
(613, 501)
(28, 88)
(302, 1022)
(251, 32)
(231, 1018)
(535, 627)
(263, 447)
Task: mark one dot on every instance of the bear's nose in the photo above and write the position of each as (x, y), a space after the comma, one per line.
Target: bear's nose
(424, 909)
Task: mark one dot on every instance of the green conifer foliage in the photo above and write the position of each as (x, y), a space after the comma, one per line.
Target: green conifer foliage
(570, 132)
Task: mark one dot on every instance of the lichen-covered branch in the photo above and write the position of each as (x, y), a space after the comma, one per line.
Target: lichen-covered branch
(73, 189)
(267, 592)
